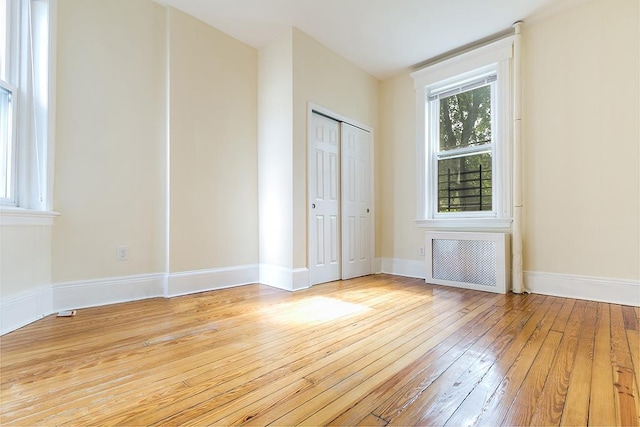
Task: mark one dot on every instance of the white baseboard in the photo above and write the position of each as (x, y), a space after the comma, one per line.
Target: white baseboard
(83, 294)
(284, 278)
(377, 265)
(22, 309)
(404, 267)
(189, 282)
(614, 291)
(300, 278)
(276, 276)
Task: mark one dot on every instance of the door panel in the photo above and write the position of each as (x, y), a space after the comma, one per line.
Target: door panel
(356, 209)
(324, 228)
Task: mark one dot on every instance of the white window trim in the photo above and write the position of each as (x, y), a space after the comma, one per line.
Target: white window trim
(35, 158)
(11, 201)
(11, 216)
(498, 53)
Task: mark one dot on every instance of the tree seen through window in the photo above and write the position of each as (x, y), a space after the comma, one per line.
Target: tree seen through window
(465, 151)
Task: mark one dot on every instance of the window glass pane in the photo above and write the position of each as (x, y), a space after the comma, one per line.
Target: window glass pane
(6, 144)
(465, 184)
(465, 119)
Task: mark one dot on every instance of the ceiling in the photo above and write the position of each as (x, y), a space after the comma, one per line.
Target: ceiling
(382, 37)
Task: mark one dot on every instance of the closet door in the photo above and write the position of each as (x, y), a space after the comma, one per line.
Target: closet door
(324, 200)
(356, 202)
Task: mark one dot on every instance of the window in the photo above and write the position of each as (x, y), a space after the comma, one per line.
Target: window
(464, 139)
(7, 111)
(25, 96)
(463, 146)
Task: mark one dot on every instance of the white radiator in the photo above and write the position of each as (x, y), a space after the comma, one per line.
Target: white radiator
(478, 261)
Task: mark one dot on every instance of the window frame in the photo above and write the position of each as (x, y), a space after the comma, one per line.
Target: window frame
(12, 200)
(34, 110)
(10, 80)
(495, 57)
(433, 144)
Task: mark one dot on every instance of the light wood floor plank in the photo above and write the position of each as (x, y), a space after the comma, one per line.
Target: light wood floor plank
(488, 395)
(335, 358)
(561, 321)
(372, 420)
(374, 351)
(551, 402)
(184, 364)
(507, 348)
(391, 366)
(528, 372)
(303, 354)
(398, 407)
(394, 339)
(524, 405)
(602, 410)
(576, 404)
(415, 378)
(633, 337)
(626, 395)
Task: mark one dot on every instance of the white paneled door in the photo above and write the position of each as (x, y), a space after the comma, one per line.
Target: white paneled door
(340, 198)
(356, 202)
(324, 187)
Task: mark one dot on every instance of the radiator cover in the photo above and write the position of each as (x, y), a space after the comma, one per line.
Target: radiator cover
(477, 261)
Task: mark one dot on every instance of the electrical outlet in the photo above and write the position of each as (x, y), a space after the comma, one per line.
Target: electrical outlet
(123, 253)
(421, 251)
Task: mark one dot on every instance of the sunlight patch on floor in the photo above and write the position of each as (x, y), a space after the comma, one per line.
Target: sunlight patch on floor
(312, 310)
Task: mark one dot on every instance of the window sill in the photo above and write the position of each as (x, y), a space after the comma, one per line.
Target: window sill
(20, 216)
(465, 223)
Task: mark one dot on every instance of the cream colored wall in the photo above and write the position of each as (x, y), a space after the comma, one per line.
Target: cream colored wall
(323, 77)
(582, 141)
(213, 108)
(275, 152)
(400, 237)
(109, 143)
(581, 128)
(25, 258)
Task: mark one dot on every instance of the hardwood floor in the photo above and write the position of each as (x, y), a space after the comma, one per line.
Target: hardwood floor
(379, 350)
